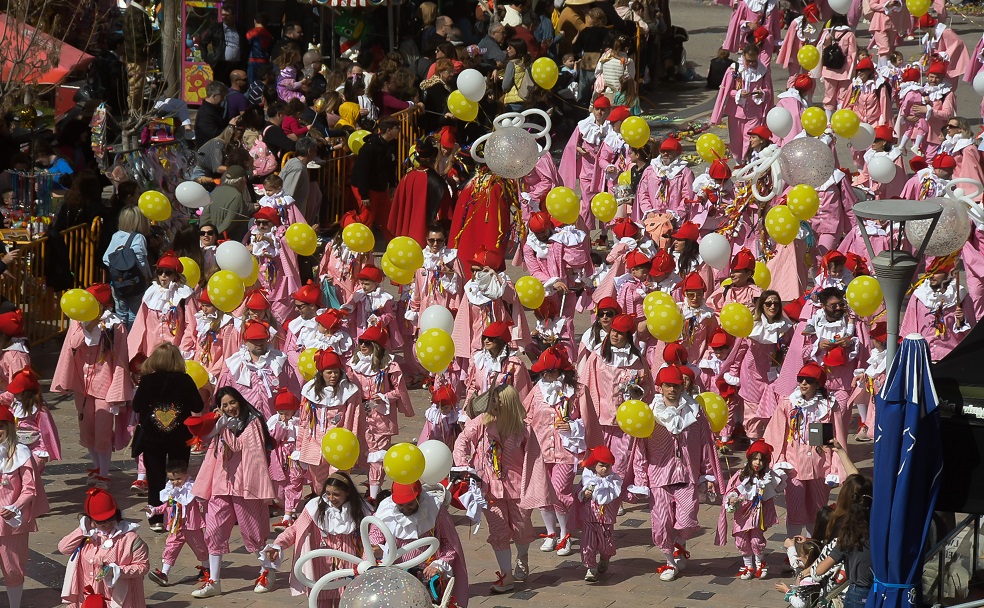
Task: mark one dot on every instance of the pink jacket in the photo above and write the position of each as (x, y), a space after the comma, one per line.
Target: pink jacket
(236, 466)
(938, 324)
(387, 384)
(341, 265)
(22, 489)
(190, 516)
(12, 360)
(791, 444)
(320, 414)
(541, 418)
(101, 371)
(660, 193)
(606, 386)
(128, 551)
(541, 180)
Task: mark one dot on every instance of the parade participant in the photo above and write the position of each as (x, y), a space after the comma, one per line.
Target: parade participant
(713, 192)
(235, 481)
(662, 273)
(939, 309)
(938, 40)
(833, 219)
(550, 330)
(930, 182)
(496, 363)
(748, 17)
(340, 265)
(370, 306)
(302, 330)
(423, 196)
(888, 23)
(750, 497)
(959, 143)
(15, 355)
(631, 237)
(210, 336)
(711, 365)
(939, 105)
(868, 382)
(553, 412)
(285, 470)
(599, 498)
(686, 256)
(579, 164)
(257, 369)
(161, 317)
(440, 280)
(330, 333)
(868, 96)
(745, 97)
(911, 93)
(592, 339)
(279, 274)
(256, 307)
(631, 287)
(666, 183)
(804, 29)
(482, 217)
(699, 321)
(185, 521)
(536, 247)
(538, 183)
(94, 367)
(441, 419)
(836, 80)
(35, 424)
(489, 298)
(794, 100)
(883, 146)
(742, 288)
(613, 156)
(106, 556)
(284, 204)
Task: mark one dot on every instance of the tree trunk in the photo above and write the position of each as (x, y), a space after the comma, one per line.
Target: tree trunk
(171, 44)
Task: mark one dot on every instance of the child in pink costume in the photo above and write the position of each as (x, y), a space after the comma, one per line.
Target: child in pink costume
(670, 464)
(441, 419)
(541, 180)
(579, 164)
(15, 355)
(279, 274)
(235, 481)
(489, 298)
(94, 367)
(328, 521)
(371, 306)
(713, 192)
(599, 498)
(22, 501)
(257, 369)
(834, 218)
(331, 400)
(745, 97)
(699, 321)
(553, 412)
(884, 146)
(685, 251)
(185, 521)
(340, 266)
(302, 330)
(940, 41)
(939, 309)
(889, 20)
(711, 365)
(162, 315)
(613, 157)
(504, 453)
(210, 336)
(747, 17)
(666, 183)
(283, 204)
(35, 425)
(632, 287)
(750, 496)
(384, 393)
(803, 30)
(794, 100)
(836, 81)
(496, 363)
(285, 469)
(868, 381)
(631, 237)
(911, 93)
(811, 472)
(742, 289)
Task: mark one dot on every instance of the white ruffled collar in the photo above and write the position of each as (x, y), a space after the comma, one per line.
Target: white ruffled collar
(554, 391)
(335, 521)
(948, 297)
(669, 171)
(241, 366)
(753, 486)
(793, 93)
(765, 332)
(876, 363)
(539, 247)
(339, 341)
(815, 408)
(363, 365)
(699, 314)
(937, 92)
(161, 299)
(955, 143)
(591, 131)
(432, 261)
(413, 527)
(485, 289)
(614, 140)
(623, 356)
(678, 418)
(749, 75)
(331, 396)
(299, 324)
(485, 361)
(203, 322)
(181, 495)
(22, 454)
(18, 345)
(568, 235)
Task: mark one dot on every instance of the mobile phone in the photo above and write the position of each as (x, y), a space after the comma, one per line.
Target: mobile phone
(820, 433)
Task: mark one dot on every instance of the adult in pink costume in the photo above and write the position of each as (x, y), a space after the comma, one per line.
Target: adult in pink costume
(745, 97)
(440, 281)
(579, 164)
(370, 306)
(279, 273)
(833, 220)
(666, 183)
(960, 144)
(803, 30)
(940, 41)
(809, 470)
(883, 147)
(495, 364)
(541, 180)
(889, 20)
(741, 289)
(939, 309)
(747, 17)
(613, 157)
(794, 100)
(161, 317)
(258, 370)
(869, 96)
(340, 265)
(835, 81)
(489, 297)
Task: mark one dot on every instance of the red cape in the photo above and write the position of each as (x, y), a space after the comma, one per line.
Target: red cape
(408, 211)
(481, 220)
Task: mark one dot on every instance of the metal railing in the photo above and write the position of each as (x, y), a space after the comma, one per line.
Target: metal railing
(938, 553)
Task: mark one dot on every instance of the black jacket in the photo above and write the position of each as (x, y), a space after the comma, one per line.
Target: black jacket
(163, 401)
(210, 122)
(214, 41)
(375, 166)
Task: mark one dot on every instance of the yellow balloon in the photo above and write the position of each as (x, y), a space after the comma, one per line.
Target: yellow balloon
(808, 57)
(803, 201)
(781, 225)
(814, 121)
(306, 365)
(79, 305)
(254, 274)
(226, 290)
(461, 107)
(845, 123)
(340, 448)
(435, 350)
(563, 205)
(545, 72)
(358, 238)
(530, 292)
(192, 272)
(356, 139)
(654, 300)
(604, 206)
(918, 8)
(397, 275)
(737, 320)
(625, 178)
(665, 323)
(864, 295)
(715, 409)
(302, 239)
(635, 418)
(197, 372)
(762, 275)
(405, 253)
(635, 131)
(710, 147)
(404, 463)
(155, 206)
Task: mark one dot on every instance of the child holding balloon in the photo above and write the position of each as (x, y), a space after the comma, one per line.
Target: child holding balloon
(279, 274)
(210, 336)
(341, 264)
(441, 418)
(162, 316)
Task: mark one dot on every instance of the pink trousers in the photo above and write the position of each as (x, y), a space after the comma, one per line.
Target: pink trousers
(750, 542)
(562, 480)
(804, 497)
(673, 512)
(13, 558)
(508, 523)
(224, 512)
(596, 539)
(195, 539)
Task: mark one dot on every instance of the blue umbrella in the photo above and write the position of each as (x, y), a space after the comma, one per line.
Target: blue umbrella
(907, 474)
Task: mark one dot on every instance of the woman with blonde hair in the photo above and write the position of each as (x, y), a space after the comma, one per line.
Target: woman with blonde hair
(132, 230)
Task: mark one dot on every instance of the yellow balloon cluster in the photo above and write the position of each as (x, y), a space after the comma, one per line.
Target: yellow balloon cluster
(404, 463)
(192, 272)
(737, 320)
(405, 253)
(762, 275)
(340, 448)
(635, 418)
(715, 409)
(563, 204)
(358, 238)
(435, 350)
(808, 57)
(461, 107)
(226, 290)
(530, 291)
(356, 139)
(79, 305)
(635, 131)
(397, 275)
(814, 121)
(155, 206)
(803, 201)
(781, 225)
(604, 206)
(864, 295)
(918, 8)
(665, 323)
(306, 364)
(197, 372)
(845, 123)
(710, 147)
(302, 239)
(545, 73)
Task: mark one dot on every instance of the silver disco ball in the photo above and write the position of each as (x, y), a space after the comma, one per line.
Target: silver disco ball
(511, 152)
(385, 587)
(951, 231)
(806, 160)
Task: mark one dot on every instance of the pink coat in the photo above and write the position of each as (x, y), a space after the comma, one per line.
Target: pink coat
(236, 466)
(101, 371)
(737, 36)
(191, 516)
(87, 558)
(210, 348)
(340, 265)
(541, 417)
(746, 295)
(39, 426)
(542, 179)
(279, 276)
(750, 515)
(580, 171)
(259, 382)
(612, 154)
(660, 193)
(938, 325)
(430, 288)
(871, 101)
(745, 97)
(479, 379)
(972, 255)
(165, 322)
(849, 44)
(320, 414)
(606, 386)
(755, 362)
(792, 102)
(909, 97)
(792, 447)
(630, 296)
(798, 35)
(896, 22)
(23, 489)
(945, 40)
(389, 385)
(654, 456)
(943, 110)
(13, 359)
(698, 327)
(472, 319)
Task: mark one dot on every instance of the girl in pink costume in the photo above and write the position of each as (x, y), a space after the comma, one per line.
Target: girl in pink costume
(889, 20)
(836, 81)
(384, 393)
(940, 41)
(106, 556)
(34, 420)
(22, 501)
(868, 382)
(340, 265)
(235, 480)
(632, 287)
(162, 315)
(711, 365)
(911, 93)
(330, 334)
(599, 498)
(489, 298)
(699, 321)
(440, 281)
(279, 275)
(256, 307)
(811, 472)
(713, 193)
(884, 146)
(666, 183)
(536, 247)
(579, 164)
(441, 419)
(670, 464)
(185, 515)
(631, 237)
(553, 412)
(869, 96)
(504, 453)
(939, 309)
(303, 329)
(285, 469)
(257, 369)
(94, 367)
(496, 363)
(686, 258)
(14, 356)
(331, 400)
(742, 289)
(750, 496)
(803, 30)
(593, 338)
(371, 306)
(747, 17)
(930, 182)
(210, 336)
(328, 521)
(745, 97)
(794, 100)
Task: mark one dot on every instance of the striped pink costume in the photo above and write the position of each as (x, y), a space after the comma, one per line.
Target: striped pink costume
(597, 514)
(546, 406)
(185, 522)
(385, 393)
(339, 406)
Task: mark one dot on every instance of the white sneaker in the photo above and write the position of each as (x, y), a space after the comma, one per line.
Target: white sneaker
(266, 581)
(209, 589)
(566, 549)
(549, 544)
(667, 573)
(621, 511)
(590, 576)
(521, 571)
(504, 584)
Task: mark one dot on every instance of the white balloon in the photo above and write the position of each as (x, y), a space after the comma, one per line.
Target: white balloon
(234, 256)
(472, 84)
(192, 194)
(865, 136)
(779, 121)
(436, 316)
(840, 6)
(881, 169)
(979, 83)
(715, 250)
(437, 461)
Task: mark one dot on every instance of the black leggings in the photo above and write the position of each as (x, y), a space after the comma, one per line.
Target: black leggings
(156, 458)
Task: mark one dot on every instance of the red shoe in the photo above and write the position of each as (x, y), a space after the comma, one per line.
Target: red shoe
(139, 487)
(93, 473)
(681, 555)
(746, 573)
(762, 572)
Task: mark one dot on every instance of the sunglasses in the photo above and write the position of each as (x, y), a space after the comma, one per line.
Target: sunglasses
(164, 272)
(606, 312)
(262, 223)
(836, 306)
(771, 303)
(434, 241)
(807, 380)
(953, 126)
(207, 233)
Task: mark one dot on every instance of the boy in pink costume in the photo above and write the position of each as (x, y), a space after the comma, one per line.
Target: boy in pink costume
(749, 16)
(579, 164)
(794, 100)
(279, 274)
(631, 237)
(35, 424)
(162, 313)
(836, 81)
(699, 321)
(15, 355)
(599, 498)
(568, 269)
(803, 30)
(185, 521)
(930, 182)
(371, 306)
(940, 41)
(745, 97)
(257, 369)
(889, 20)
(94, 367)
(939, 309)
(22, 501)
(489, 297)
(283, 204)
(106, 556)
(303, 329)
(632, 286)
(340, 265)
(285, 468)
(536, 247)
(666, 183)
(742, 289)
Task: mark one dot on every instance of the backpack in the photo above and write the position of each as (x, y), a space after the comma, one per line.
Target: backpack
(833, 55)
(124, 270)
(264, 162)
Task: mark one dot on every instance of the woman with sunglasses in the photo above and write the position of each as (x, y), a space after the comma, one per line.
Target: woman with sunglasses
(592, 339)
(279, 274)
(162, 316)
(959, 143)
(494, 364)
(208, 237)
(812, 470)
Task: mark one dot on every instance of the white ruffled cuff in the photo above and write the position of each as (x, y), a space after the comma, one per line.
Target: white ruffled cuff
(640, 490)
(574, 440)
(265, 560)
(464, 470)
(731, 380)
(384, 407)
(376, 456)
(782, 465)
(832, 480)
(115, 578)
(443, 566)
(411, 315)
(17, 519)
(962, 328)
